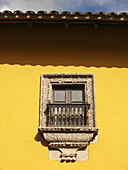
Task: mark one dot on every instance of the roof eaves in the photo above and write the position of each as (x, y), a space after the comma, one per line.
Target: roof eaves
(55, 17)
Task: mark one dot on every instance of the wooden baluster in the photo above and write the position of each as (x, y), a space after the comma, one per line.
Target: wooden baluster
(60, 111)
(53, 116)
(74, 115)
(66, 122)
(78, 115)
(62, 115)
(57, 115)
(70, 116)
(82, 115)
(67, 115)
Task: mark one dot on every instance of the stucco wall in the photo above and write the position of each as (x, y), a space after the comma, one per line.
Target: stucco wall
(20, 70)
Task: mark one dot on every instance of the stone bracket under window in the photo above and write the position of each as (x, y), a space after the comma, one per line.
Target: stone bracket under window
(67, 115)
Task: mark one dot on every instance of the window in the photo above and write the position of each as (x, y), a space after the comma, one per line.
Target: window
(68, 106)
(67, 114)
(68, 94)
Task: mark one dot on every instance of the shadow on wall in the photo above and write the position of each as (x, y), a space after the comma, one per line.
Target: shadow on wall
(40, 138)
(67, 59)
(51, 44)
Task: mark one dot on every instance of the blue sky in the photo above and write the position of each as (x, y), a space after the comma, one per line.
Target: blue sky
(68, 5)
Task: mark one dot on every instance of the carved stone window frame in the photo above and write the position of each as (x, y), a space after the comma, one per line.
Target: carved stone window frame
(63, 141)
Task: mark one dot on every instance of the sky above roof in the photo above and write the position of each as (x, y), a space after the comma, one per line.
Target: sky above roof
(65, 5)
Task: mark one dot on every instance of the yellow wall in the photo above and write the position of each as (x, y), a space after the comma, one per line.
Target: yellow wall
(19, 119)
(25, 54)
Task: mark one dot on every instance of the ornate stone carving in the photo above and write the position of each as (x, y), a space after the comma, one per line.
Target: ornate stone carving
(70, 142)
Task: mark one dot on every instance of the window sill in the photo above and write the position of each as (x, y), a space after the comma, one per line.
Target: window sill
(68, 129)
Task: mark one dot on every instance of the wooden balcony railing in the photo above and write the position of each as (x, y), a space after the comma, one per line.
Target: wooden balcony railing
(67, 114)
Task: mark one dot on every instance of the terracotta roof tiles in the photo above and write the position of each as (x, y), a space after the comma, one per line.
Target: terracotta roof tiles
(55, 16)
